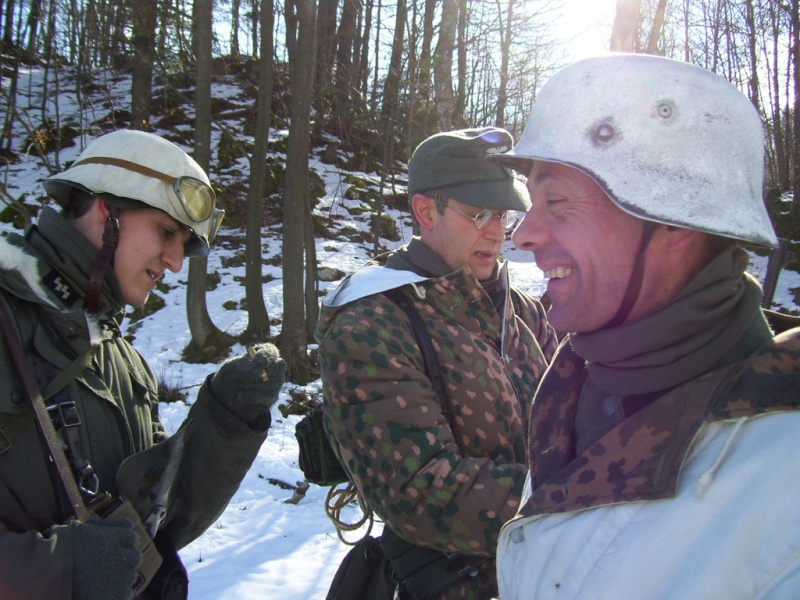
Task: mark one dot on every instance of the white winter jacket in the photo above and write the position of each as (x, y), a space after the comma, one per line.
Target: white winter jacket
(732, 532)
(648, 520)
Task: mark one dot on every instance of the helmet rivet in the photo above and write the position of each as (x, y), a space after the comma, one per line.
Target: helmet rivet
(664, 109)
(603, 134)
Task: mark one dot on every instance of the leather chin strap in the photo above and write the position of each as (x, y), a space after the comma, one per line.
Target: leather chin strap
(635, 282)
(104, 259)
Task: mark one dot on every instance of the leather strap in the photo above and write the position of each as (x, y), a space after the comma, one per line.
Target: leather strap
(425, 345)
(40, 411)
(104, 258)
(637, 277)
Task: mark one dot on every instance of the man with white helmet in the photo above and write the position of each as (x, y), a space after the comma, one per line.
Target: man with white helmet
(663, 438)
(133, 205)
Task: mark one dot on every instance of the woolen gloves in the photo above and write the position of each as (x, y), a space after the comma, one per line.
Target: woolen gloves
(105, 556)
(248, 384)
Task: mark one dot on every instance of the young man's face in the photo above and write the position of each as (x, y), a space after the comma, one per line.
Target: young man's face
(585, 245)
(150, 242)
(458, 242)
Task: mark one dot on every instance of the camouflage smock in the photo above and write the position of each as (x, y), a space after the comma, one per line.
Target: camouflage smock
(694, 496)
(449, 485)
(117, 399)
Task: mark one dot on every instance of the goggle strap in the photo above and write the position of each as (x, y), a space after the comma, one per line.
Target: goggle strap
(127, 165)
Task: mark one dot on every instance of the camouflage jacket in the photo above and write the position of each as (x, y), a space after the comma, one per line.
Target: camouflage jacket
(116, 397)
(589, 526)
(445, 484)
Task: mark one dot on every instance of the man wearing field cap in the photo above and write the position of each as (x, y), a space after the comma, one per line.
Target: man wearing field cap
(442, 473)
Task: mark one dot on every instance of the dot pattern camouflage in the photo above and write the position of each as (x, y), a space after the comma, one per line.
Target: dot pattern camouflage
(445, 485)
(641, 458)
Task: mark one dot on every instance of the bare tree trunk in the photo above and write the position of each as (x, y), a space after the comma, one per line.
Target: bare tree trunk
(461, 86)
(795, 51)
(257, 316)
(343, 76)
(392, 87)
(326, 51)
(424, 103)
(752, 53)
(255, 19)
(293, 342)
(144, 31)
(505, 49)
(443, 65)
(311, 279)
(236, 6)
(658, 25)
(625, 32)
(362, 64)
(8, 23)
(204, 333)
(781, 158)
(290, 17)
(34, 16)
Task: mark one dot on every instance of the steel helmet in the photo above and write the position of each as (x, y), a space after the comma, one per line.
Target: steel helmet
(134, 169)
(667, 141)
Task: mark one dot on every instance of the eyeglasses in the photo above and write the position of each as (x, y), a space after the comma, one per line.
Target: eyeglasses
(484, 218)
(197, 198)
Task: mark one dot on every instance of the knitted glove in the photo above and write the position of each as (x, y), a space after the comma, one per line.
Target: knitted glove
(248, 384)
(105, 557)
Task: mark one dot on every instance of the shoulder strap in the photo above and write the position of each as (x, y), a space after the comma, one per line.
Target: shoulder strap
(425, 345)
(40, 411)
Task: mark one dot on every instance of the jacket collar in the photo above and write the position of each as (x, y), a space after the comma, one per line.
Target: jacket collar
(640, 458)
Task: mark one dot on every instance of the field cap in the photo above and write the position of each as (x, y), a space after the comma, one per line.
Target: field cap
(454, 164)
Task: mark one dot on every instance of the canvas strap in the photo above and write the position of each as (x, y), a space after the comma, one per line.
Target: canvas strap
(40, 412)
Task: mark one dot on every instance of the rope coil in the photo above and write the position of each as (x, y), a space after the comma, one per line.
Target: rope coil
(338, 499)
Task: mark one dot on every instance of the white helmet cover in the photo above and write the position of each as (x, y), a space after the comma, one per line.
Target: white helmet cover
(139, 148)
(666, 140)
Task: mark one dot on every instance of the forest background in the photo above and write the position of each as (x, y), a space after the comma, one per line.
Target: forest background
(361, 82)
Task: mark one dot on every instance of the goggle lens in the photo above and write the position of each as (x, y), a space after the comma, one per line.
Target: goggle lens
(198, 198)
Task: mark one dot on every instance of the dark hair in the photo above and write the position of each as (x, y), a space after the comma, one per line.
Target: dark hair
(441, 200)
(77, 204)
(715, 244)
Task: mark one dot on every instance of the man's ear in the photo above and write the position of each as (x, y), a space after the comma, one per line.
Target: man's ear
(92, 223)
(423, 209)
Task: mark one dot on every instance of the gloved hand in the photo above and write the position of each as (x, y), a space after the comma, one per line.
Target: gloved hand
(105, 556)
(248, 384)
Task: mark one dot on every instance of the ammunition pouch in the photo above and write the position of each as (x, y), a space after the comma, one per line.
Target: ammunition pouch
(109, 507)
(317, 458)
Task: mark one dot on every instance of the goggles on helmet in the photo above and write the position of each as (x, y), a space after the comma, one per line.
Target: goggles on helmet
(197, 198)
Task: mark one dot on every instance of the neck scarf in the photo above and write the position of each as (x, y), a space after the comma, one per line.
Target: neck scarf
(701, 328)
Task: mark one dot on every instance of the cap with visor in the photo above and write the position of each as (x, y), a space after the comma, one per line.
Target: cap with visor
(454, 164)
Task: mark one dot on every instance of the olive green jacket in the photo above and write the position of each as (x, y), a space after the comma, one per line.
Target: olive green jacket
(42, 276)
